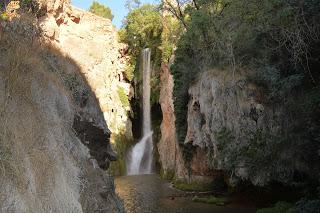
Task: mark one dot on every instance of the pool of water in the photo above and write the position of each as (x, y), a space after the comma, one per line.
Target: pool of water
(148, 193)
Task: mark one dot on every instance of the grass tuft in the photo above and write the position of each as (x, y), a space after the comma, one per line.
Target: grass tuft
(219, 201)
(193, 186)
(123, 97)
(279, 207)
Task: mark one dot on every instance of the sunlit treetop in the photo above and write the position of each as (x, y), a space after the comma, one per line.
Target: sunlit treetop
(101, 10)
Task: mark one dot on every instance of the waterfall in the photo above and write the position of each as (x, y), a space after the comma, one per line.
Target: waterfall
(141, 154)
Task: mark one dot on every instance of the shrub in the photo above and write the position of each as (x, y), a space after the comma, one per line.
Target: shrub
(219, 201)
(306, 206)
(123, 97)
(121, 145)
(280, 207)
(101, 10)
(167, 174)
(4, 16)
(193, 186)
(129, 72)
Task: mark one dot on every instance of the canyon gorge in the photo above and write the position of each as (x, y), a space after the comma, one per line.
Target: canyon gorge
(192, 106)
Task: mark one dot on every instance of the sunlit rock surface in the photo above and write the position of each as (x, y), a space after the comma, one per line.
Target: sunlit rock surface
(91, 41)
(170, 153)
(167, 146)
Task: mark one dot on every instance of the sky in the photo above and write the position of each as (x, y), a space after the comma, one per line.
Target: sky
(117, 6)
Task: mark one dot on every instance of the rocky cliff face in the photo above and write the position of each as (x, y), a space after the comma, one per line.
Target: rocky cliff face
(54, 141)
(242, 132)
(170, 154)
(234, 132)
(167, 146)
(91, 41)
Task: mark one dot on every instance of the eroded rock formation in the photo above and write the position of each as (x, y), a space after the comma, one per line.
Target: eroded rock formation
(242, 133)
(54, 140)
(91, 41)
(234, 132)
(167, 146)
(172, 162)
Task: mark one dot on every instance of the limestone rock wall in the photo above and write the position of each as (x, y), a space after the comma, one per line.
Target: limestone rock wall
(167, 146)
(242, 133)
(233, 132)
(170, 152)
(46, 166)
(91, 41)
(55, 94)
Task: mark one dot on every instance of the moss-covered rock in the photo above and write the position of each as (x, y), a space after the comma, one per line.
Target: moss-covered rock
(219, 201)
(121, 145)
(193, 186)
(167, 174)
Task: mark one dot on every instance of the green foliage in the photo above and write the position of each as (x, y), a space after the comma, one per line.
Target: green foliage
(4, 16)
(276, 40)
(172, 30)
(279, 86)
(183, 71)
(155, 89)
(122, 33)
(167, 174)
(312, 100)
(143, 29)
(280, 207)
(121, 145)
(306, 206)
(123, 97)
(219, 201)
(2, 5)
(101, 10)
(193, 186)
(187, 153)
(129, 72)
(30, 5)
(26, 3)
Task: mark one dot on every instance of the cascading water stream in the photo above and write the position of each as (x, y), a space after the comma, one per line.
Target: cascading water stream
(141, 154)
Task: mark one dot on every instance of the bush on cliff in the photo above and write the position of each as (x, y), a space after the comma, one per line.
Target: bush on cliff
(101, 10)
(123, 97)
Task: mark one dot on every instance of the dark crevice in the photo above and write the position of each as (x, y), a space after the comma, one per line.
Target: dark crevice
(96, 140)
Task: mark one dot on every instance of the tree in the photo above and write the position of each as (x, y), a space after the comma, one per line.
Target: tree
(132, 4)
(143, 28)
(276, 41)
(178, 8)
(101, 10)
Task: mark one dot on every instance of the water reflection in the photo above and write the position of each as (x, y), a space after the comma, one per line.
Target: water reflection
(148, 193)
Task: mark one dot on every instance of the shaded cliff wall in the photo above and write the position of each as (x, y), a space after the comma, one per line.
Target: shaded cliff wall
(246, 135)
(234, 131)
(53, 136)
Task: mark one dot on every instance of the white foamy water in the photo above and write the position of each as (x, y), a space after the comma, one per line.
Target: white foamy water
(141, 158)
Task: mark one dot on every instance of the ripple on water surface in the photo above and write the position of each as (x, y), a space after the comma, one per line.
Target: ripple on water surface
(148, 193)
